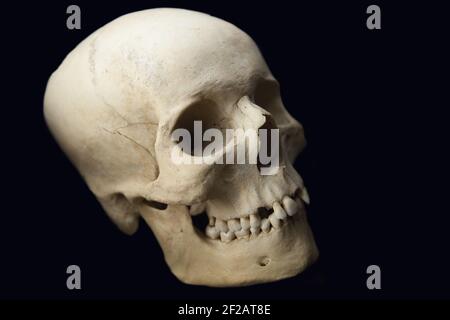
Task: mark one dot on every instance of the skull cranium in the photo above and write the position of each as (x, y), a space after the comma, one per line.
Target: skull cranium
(112, 106)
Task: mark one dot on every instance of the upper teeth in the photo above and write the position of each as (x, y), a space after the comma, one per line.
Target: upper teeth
(234, 225)
(221, 225)
(246, 226)
(304, 195)
(290, 205)
(278, 211)
(255, 220)
(245, 223)
(265, 225)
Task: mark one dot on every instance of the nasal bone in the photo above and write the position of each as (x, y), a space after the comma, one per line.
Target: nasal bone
(257, 115)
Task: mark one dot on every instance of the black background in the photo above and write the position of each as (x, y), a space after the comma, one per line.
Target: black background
(372, 106)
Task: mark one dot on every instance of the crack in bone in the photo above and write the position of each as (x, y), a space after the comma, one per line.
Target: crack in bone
(92, 70)
(136, 124)
(130, 139)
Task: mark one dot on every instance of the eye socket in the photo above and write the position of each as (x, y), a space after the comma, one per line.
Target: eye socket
(267, 96)
(209, 115)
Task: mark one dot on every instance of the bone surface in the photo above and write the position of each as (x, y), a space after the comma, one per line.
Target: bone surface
(112, 106)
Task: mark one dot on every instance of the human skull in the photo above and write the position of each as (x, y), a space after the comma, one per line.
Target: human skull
(112, 106)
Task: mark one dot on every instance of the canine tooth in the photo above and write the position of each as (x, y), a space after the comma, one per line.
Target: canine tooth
(212, 232)
(227, 236)
(255, 231)
(221, 225)
(242, 233)
(234, 225)
(212, 221)
(197, 208)
(255, 220)
(265, 225)
(278, 211)
(290, 206)
(274, 221)
(304, 195)
(245, 223)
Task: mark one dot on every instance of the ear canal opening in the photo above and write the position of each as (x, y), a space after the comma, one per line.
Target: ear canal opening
(155, 204)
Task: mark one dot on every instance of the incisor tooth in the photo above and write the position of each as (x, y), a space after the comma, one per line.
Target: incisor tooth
(290, 206)
(234, 225)
(304, 195)
(212, 232)
(242, 233)
(221, 225)
(255, 220)
(265, 225)
(278, 211)
(274, 221)
(227, 236)
(245, 223)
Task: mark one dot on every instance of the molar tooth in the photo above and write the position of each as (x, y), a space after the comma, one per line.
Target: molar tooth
(227, 236)
(221, 225)
(245, 223)
(304, 195)
(234, 225)
(212, 232)
(274, 221)
(278, 211)
(265, 225)
(242, 233)
(255, 231)
(290, 206)
(197, 208)
(255, 220)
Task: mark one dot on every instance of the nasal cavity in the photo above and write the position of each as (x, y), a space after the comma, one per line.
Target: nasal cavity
(266, 145)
